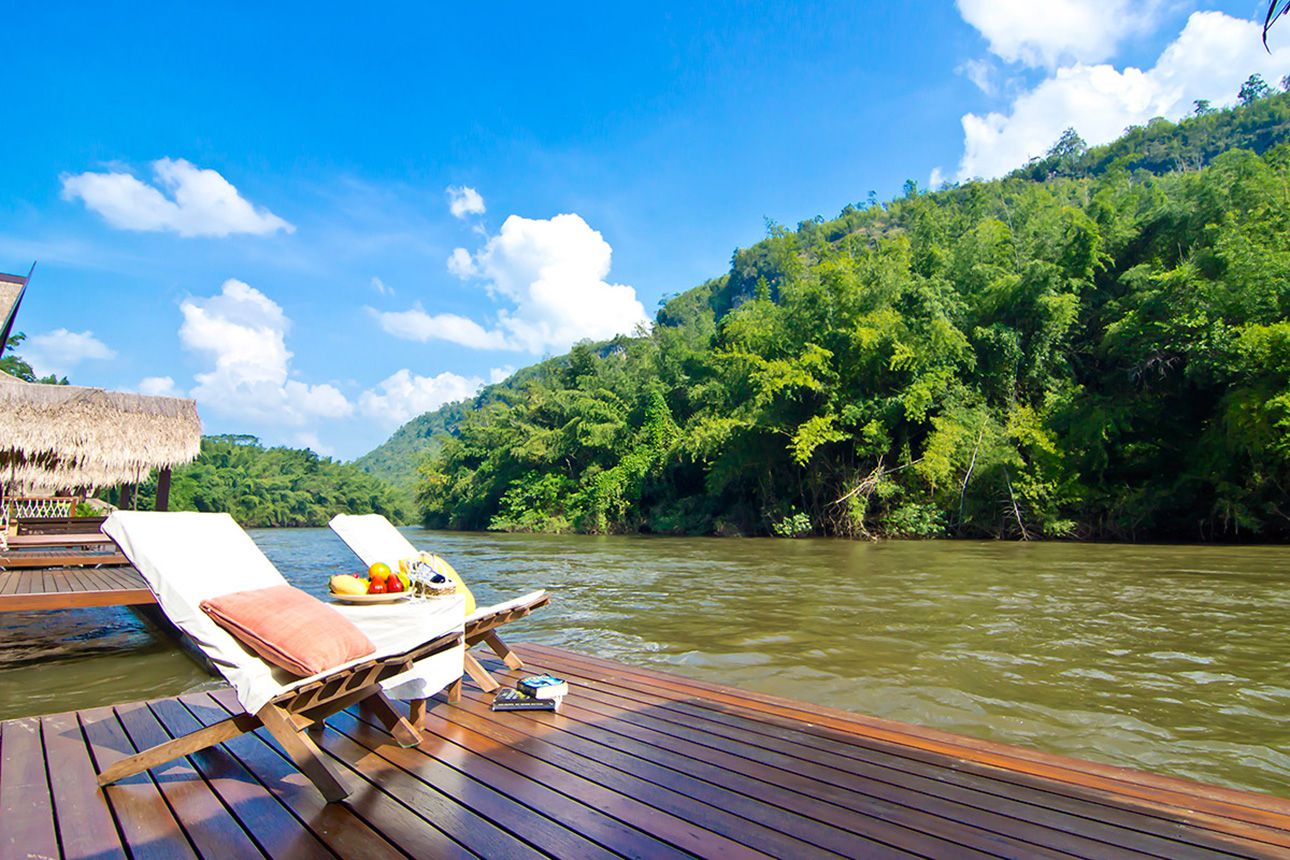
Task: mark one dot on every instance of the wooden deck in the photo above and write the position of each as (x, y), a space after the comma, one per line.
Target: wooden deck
(61, 556)
(638, 764)
(24, 590)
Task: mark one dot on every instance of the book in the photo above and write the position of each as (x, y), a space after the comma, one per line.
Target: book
(543, 687)
(513, 700)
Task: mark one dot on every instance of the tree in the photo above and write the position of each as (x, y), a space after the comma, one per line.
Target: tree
(1253, 89)
(15, 365)
(1069, 145)
(1100, 350)
(1202, 107)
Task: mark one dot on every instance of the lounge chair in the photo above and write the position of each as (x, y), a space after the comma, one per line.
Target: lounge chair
(374, 539)
(190, 557)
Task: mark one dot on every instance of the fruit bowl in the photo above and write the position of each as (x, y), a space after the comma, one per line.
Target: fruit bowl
(371, 598)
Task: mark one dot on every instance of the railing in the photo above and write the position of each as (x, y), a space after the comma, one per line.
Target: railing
(40, 507)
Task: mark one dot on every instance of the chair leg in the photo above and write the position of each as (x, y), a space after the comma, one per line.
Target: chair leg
(170, 750)
(417, 713)
(404, 733)
(304, 752)
(454, 693)
(501, 649)
(480, 675)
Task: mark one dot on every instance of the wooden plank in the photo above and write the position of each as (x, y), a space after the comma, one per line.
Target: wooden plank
(1238, 805)
(1185, 822)
(690, 825)
(85, 826)
(843, 822)
(588, 821)
(8, 582)
(604, 823)
(278, 832)
(847, 781)
(67, 558)
(42, 601)
(460, 821)
(59, 540)
(890, 830)
(145, 822)
(809, 840)
(1085, 813)
(207, 823)
(1035, 806)
(75, 582)
(335, 824)
(491, 802)
(27, 826)
(410, 833)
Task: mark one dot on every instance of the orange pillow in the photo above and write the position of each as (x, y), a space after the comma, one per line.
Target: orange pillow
(289, 628)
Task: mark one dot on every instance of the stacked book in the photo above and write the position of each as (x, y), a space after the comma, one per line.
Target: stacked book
(539, 693)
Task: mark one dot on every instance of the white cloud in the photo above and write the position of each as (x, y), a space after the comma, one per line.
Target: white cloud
(243, 332)
(306, 439)
(461, 263)
(380, 287)
(500, 374)
(201, 202)
(982, 75)
(464, 201)
(159, 386)
(1210, 59)
(416, 324)
(1056, 31)
(60, 350)
(403, 395)
(552, 271)
(936, 179)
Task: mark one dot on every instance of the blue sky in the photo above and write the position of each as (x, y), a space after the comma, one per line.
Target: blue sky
(320, 223)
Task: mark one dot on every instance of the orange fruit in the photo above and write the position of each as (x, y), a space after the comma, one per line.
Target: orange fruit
(379, 571)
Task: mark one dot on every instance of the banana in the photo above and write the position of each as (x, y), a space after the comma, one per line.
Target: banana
(346, 584)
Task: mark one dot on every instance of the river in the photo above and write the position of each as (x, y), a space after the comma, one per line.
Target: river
(1168, 658)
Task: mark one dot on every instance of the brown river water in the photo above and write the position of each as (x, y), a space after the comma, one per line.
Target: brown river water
(1167, 658)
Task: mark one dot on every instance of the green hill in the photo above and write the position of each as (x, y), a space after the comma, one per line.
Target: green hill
(1095, 345)
(271, 487)
(396, 460)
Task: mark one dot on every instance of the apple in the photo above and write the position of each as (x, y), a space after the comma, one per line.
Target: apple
(393, 585)
(376, 587)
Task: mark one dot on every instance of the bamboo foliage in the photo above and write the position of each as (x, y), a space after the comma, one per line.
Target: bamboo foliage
(60, 437)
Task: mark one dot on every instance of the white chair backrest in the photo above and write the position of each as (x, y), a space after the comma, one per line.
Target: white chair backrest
(189, 557)
(373, 538)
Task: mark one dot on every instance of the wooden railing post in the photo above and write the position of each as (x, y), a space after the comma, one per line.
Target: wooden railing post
(163, 490)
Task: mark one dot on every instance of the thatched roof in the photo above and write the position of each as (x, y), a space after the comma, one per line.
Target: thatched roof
(63, 437)
(11, 287)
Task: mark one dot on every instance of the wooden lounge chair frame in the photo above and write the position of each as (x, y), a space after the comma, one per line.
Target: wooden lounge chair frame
(484, 630)
(287, 717)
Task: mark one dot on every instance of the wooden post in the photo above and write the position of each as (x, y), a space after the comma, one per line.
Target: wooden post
(163, 490)
(127, 496)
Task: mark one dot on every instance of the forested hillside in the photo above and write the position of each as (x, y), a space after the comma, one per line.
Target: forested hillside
(272, 486)
(395, 460)
(1094, 346)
